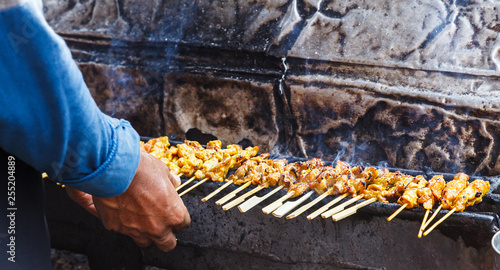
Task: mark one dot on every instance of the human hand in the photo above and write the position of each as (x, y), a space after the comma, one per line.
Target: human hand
(147, 211)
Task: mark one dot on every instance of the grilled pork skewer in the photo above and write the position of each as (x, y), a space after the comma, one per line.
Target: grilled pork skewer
(216, 162)
(470, 195)
(449, 193)
(264, 174)
(245, 161)
(180, 159)
(367, 183)
(428, 197)
(409, 199)
(296, 177)
(325, 186)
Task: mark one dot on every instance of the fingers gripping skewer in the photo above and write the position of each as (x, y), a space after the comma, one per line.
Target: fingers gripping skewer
(340, 207)
(439, 221)
(232, 194)
(193, 187)
(397, 212)
(185, 183)
(242, 198)
(279, 202)
(422, 227)
(256, 200)
(307, 206)
(215, 192)
(326, 206)
(288, 206)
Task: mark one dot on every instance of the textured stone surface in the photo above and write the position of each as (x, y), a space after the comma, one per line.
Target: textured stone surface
(459, 36)
(412, 64)
(220, 239)
(231, 110)
(355, 115)
(412, 84)
(250, 25)
(127, 93)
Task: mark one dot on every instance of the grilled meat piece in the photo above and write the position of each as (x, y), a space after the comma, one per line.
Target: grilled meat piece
(452, 189)
(472, 194)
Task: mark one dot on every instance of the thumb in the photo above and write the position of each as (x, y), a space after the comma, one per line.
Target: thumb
(83, 199)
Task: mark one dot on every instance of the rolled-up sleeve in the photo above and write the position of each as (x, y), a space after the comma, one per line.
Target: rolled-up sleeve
(48, 117)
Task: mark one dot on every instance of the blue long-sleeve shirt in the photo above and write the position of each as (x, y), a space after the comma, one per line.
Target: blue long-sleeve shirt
(48, 118)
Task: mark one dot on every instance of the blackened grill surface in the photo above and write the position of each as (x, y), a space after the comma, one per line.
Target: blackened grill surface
(475, 225)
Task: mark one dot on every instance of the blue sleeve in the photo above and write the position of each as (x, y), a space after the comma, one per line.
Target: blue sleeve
(48, 118)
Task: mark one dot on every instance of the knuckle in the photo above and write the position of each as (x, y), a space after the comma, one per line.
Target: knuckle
(167, 244)
(157, 230)
(178, 217)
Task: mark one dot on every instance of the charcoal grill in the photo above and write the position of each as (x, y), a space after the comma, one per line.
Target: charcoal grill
(218, 239)
(410, 83)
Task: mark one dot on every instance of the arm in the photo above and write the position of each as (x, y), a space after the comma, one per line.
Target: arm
(50, 121)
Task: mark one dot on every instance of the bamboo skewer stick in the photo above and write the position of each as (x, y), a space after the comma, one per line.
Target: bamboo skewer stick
(433, 216)
(351, 210)
(232, 194)
(363, 204)
(307, 206)
(422, 227)
(279, 202)
(242, 198)
(439, 221)
(215, 192)
(185, 183)
(340, 207)
(397, 212)
(326, 206)
(193, 186)
(288, 206)
(256, 200)
(344, 214)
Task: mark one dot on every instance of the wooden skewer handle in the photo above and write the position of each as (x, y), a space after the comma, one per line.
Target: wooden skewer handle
(192, 187)
(185, 183)
(424, 221)
(344, 214)
(256, 200)
(307, 206)
(233, 203)
(232, 194)
(363, 204)
(287, 207)
(241, 199)
(275, 205)
(439, 221)
(215, 192)
(326, 206)
(340, 207)
(433, 216)
(397, 212)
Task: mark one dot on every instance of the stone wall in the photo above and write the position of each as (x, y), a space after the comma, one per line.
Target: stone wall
(408, 84)
(412, 83)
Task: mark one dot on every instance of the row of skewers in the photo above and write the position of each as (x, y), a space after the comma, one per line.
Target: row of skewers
(372, 184)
